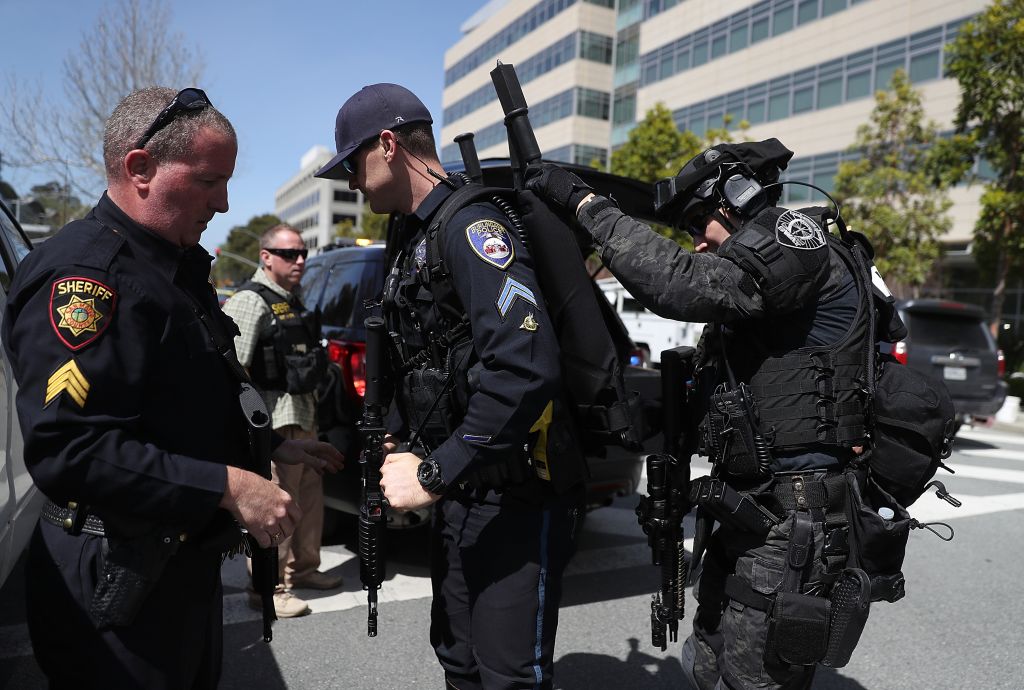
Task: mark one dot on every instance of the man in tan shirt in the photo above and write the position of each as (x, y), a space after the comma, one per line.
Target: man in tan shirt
(279, 344)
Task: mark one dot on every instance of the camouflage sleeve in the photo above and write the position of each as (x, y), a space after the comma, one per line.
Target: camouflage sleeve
(667, 279)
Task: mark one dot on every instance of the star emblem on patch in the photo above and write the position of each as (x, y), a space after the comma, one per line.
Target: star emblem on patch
(80, 310)
(79, 315)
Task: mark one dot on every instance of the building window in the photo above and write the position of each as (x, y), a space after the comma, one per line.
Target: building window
(924, 67)
(830, 92)
(343, 196)
(807, 11)
(782, 20)
(858, 85)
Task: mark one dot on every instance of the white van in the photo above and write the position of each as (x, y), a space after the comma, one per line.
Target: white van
(20, 500)
(648, 330)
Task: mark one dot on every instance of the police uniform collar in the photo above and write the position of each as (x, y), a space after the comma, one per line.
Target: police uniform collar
(160, 254)
(431, 202)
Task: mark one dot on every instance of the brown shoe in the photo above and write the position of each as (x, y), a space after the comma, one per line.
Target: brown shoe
(286, 604)
(317, 580)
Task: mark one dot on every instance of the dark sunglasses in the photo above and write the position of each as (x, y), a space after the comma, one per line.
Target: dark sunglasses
(189, 99)
(696, 223)
(288, 254)
(349, 164)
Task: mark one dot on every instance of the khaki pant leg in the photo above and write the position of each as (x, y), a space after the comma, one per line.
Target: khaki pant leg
(299, 555)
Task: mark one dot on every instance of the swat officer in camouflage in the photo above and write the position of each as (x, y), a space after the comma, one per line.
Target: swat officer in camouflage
(780, 373)
(477, 365)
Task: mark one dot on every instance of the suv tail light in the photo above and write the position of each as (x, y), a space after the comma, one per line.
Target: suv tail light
(1001, 363)
(899, 351)
(351, 357)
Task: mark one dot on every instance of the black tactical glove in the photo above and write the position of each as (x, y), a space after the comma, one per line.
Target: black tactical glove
(557, 186)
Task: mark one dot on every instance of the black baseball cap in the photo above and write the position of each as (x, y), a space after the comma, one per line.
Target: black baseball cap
(365, 115)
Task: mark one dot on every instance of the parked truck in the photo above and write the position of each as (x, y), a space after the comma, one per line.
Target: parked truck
(650, 332)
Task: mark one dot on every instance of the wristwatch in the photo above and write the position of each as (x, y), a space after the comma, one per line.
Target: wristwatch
(429, 474)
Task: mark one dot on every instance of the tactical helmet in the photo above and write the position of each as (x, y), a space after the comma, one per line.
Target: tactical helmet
(727, 175)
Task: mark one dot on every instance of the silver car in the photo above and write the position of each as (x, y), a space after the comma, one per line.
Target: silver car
(20, 501)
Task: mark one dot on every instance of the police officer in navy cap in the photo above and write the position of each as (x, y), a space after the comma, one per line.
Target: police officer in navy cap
(788, 335)
(129, 402)
(477, 365)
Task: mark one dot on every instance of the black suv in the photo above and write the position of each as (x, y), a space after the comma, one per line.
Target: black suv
(338, 280)
(951, 341)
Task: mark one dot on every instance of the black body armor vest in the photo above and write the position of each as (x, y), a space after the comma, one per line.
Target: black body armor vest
(288, 356)
(803, 398)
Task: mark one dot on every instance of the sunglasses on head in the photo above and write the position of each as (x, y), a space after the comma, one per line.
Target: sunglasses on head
(349, 164)
(288, 254)
(190, 99)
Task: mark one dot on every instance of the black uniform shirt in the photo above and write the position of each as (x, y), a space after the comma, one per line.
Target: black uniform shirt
(124, 403)
(493, 278)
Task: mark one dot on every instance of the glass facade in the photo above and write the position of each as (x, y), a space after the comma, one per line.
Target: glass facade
(517, 29)
(829, 84)
(581, 44)
(575, 101)
(763, 20)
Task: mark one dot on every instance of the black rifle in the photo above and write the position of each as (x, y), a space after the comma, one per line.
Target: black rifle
(373, 505)
(522, 143)
(661, 512)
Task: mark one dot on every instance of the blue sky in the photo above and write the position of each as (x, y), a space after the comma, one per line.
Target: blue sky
(278, 70)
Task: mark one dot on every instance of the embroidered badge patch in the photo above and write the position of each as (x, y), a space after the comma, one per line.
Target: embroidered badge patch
(491, 242)
(67, 379)
(511, 290)
(80, 310)
(794, 229)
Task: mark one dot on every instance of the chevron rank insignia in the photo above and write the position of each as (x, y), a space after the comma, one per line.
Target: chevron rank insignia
(68, 379)
(512, 290)
(490, 241)
(80, 310)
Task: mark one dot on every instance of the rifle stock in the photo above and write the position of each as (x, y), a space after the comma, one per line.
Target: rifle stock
(373, 505)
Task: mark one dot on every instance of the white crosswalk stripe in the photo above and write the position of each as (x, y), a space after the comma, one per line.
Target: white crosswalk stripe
(616, 523)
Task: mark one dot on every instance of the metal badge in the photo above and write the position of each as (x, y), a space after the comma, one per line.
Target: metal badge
(529, 324)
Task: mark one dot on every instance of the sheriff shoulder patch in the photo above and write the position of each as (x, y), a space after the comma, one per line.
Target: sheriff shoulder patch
(490, 241)
(80, 310)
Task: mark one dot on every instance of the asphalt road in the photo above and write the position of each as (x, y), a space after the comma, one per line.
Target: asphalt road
(960, 625)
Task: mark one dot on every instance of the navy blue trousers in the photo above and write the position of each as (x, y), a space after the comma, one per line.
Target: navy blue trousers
(496, 568)
(174, 642)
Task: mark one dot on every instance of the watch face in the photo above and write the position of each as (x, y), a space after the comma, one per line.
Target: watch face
(425, 472)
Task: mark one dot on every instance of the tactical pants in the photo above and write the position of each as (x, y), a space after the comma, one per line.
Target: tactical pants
(727, 647)
(299, 555)
(496, 570)
(175, 641)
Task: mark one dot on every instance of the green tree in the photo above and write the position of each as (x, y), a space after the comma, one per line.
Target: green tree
(243, 241)
(987, 60)
(374, 225)
(61, 206)
(888, 194)
(130, 46)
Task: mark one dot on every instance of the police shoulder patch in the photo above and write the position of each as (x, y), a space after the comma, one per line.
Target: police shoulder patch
(491, 242)
(80, 310)
(798, 231)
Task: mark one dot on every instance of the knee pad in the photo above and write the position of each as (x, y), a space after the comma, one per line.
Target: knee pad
(689, 660)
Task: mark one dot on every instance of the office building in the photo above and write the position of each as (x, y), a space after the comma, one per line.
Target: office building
(804, 71)
(314, 206)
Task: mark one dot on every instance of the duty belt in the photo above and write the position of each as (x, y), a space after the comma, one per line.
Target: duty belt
(75, 519)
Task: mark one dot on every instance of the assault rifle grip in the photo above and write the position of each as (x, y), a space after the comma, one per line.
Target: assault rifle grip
(373, 505)
(522, 142)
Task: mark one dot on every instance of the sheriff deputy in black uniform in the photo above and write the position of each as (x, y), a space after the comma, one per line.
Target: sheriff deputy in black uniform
(131, 415)
(788, 335)
(478, 364)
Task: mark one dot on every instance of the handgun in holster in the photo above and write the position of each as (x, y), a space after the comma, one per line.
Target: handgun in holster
(131, 568)
(731, 507)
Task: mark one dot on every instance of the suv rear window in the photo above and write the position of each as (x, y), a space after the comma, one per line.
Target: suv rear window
(349, 283)
(947, 330)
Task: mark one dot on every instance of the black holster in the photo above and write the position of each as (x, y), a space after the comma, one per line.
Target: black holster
(131, 568)
(731, 507)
